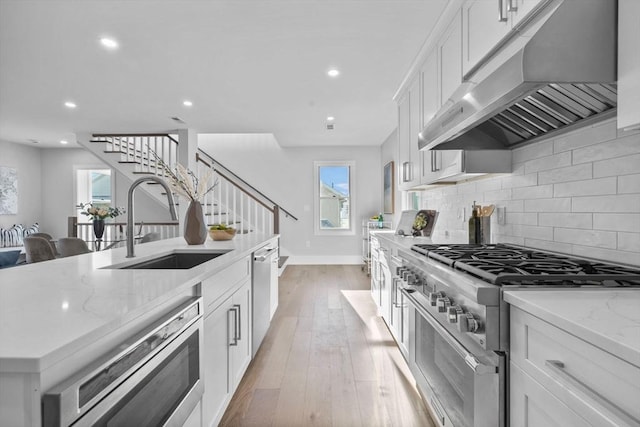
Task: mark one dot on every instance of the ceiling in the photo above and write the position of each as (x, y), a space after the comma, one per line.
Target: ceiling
(248, 66)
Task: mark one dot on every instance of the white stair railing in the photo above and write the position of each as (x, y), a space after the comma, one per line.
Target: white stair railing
(232, 202)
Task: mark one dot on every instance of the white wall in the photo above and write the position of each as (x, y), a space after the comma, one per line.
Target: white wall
(46, 190)
(26, 160)
(286, 176)
(58, 169)
(578, 193)
(389, 152)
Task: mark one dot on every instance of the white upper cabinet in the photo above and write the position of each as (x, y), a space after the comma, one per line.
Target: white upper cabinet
(404, 142)
(628, 64)
(486, 22)
(482, 29)
(450, 59)
(520, 9)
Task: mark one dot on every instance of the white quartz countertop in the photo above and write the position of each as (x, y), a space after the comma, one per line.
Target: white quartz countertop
(49, 308)
(609, 319)
(403, 241)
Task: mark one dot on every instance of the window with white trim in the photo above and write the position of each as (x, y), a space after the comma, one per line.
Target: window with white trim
(334, 197)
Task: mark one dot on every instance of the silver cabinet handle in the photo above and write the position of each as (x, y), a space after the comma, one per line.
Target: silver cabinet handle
(406, 172)
(234, 339)
(512, 6)
(593, 398)
(502, 17)
(239, 323)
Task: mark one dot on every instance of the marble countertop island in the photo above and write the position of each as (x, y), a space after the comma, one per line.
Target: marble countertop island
(51, 309)
(609, 319)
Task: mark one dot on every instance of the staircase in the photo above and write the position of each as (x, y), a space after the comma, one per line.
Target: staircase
(233, 201)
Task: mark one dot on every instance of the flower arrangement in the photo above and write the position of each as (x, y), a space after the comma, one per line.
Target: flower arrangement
(185, 182)
(100, 212)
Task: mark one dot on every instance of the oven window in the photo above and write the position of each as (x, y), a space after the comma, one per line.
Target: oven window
(153, 401)
(446, 372)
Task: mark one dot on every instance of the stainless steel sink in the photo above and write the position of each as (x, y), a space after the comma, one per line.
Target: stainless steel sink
(173, 261)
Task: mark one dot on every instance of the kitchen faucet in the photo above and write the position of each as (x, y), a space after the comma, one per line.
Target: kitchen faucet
(130, 222)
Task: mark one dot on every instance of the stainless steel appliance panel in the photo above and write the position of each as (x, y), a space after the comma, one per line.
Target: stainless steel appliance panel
(265, 264)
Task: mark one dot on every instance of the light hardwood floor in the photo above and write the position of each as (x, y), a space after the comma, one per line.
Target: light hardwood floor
(327, 359)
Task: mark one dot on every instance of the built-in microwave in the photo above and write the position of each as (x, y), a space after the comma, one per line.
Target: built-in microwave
(153, 379)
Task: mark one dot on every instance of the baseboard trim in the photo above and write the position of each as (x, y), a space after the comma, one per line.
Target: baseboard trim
(325, 260)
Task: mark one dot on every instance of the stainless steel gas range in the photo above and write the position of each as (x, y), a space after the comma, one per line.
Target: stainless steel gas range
(457, 322)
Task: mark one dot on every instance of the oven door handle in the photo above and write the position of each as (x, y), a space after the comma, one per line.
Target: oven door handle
(471, 360)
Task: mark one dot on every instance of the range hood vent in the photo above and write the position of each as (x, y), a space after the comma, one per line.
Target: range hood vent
(564, 77)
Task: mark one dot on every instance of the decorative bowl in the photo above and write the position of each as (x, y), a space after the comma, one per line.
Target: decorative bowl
(227, 234)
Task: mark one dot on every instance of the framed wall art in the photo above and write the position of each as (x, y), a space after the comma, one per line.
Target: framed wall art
(8, 191)
(388, 188)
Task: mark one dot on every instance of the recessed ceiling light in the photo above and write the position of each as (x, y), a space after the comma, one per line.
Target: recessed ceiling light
(333, 73)
(70, 104)
(330, 118)
(187, 103)
(109, 43)
(64, 142)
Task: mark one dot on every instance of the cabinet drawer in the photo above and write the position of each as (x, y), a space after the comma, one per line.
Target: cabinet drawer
(532, 405)
(217, 285)
(587, 378)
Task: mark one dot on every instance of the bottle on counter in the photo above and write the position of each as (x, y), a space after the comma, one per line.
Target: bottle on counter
(475, 232)
(380, 219)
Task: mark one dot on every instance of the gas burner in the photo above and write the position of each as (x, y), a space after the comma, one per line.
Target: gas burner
(549, 267)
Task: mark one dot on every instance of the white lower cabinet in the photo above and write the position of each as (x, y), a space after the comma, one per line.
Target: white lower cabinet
(556, 376)
(534, 406)
(227, 352)
(195, 419)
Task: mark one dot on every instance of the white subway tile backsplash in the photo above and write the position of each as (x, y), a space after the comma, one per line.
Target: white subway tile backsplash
(579, 194)
(549, 246)
(571, 173)
(629, 184)
(616, 148)
(528, 180)
(617, 221)
(536, 192)
(603, 239)
(533, 151)
(593, 135)
(550, 162)
(590, 187)
(530, 218)
(615, 167)
(496, 195)
(567, 220)
(548, 205)
(533, 232)
(617, 256)
(619, 203)
(629, 242)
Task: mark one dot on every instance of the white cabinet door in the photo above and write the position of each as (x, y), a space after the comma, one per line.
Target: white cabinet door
(404, 142)
(519, 9)
(240, 346)
(450, 60)
(482, 29)
(532, 405)
(217, 387)
(628, 64)
(273, 290)
(415, 126)
(430, 106)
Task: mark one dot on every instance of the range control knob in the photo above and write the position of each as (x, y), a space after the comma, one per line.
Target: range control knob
(468, 323)
(443, 304)
(433, 297)
(453, 313)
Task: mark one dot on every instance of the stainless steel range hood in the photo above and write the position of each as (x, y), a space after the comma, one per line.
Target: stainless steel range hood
(563, 77)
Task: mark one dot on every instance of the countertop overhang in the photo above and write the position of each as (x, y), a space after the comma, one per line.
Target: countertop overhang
(49, 310)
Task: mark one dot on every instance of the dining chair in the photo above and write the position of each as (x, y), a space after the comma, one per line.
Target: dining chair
(70, 246)
(49, 239)
(38, 249)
